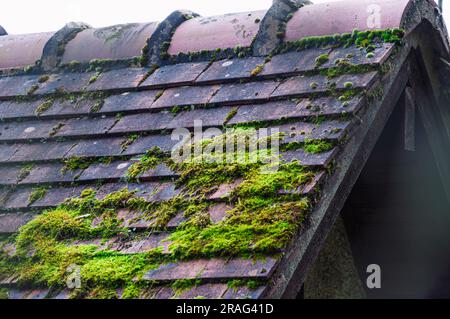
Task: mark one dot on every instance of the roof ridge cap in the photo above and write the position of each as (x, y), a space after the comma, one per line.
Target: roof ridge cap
(54, 48)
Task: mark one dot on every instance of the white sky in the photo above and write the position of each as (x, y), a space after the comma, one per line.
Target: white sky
(29, 16)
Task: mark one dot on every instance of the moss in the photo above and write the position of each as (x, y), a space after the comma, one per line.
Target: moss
(25, 171)
(33, 89)
(348, 85)
(280, 34)
(28, 69)
(176, 109)
(75, 163)
(43, 107)
(376, 94)
(164, 50)
(150, 160)
(361, 39)
(43, 78)
(4, 293)
(322, 59)
(143, 59)
(98, 65)
(344, 66)
(152, 70)
(257, 70)
(261, 222)
(317, 146)
(346, 95)
(128, 141)
(230, 115)
(37, 194)
(55, 129)
(73, 65)
(99, 293)
(97, 106)
(314, 85)
(93, 78)
(238, 283)
(131, 291)
(182, 285)
(254, 226)
(158, 95)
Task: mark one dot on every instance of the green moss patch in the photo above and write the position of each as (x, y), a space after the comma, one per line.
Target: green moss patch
(361, 39)
(43, 107)
(321, 60)
(4, 293)
(150, 160)
(37, 194)
(259, 222)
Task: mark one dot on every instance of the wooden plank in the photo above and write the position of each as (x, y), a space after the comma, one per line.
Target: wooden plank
(410, 120)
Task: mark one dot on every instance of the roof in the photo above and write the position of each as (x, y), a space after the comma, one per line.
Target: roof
(87, 178)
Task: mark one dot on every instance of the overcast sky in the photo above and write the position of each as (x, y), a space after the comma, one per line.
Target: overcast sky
(28, 16)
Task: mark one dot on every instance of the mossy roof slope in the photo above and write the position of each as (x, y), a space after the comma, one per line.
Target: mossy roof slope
(87, 177)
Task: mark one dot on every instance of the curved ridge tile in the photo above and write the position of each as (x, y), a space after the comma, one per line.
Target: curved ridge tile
(54, 48)
(116, 42)
(334, 17)
(17, 51)
(211, 33)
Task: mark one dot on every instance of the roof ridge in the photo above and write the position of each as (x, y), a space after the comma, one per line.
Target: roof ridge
(184, 33)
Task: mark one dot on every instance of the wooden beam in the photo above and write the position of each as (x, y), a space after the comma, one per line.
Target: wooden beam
(410, 120)
(430, 114)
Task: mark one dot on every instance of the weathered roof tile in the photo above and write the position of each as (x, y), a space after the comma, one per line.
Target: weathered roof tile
(250, 91)
(84, 127)
(208, 117)
(41, 151)
(301, 85)
(136, 101)
(293, 62)
(13, 109)
(230, 70)
(50, 173)
(102, 147)
(142, 123)
(65, 82)
(186, 95)
(11, 86)
(176, 74)
(213, 269)
(28, 130)
(128, 78)
(11, 222)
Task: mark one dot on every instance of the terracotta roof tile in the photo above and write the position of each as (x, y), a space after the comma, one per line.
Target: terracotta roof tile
(210, 33)
(115, 42)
